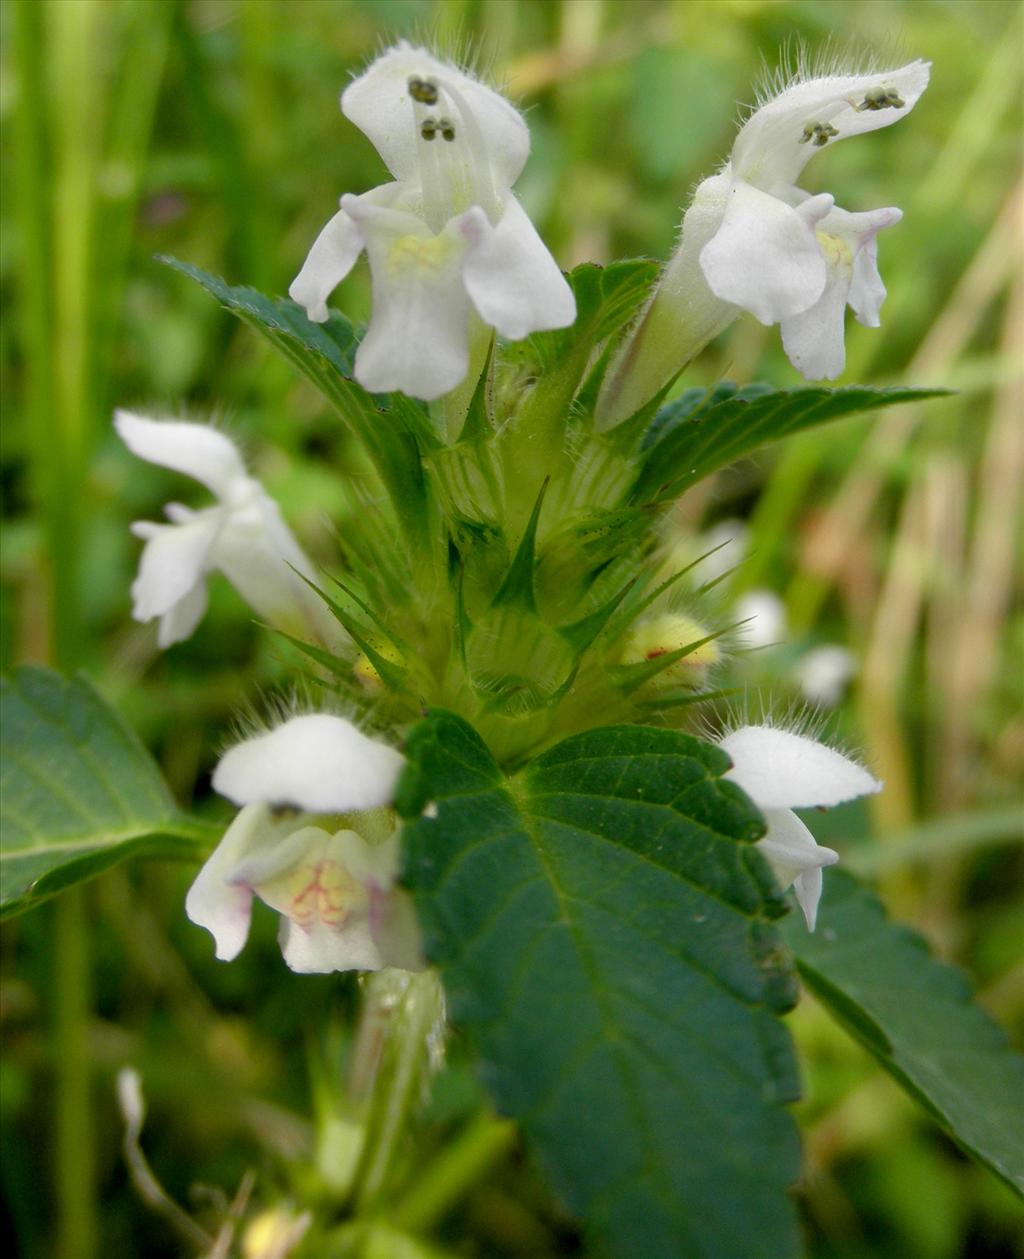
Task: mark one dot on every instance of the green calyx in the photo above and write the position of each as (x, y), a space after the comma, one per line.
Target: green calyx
(503, 558)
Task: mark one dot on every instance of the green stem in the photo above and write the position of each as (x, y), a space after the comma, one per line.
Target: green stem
(57, 129)
(466, 1161)
(35, 281)
(404, 1012)
(76, 1211)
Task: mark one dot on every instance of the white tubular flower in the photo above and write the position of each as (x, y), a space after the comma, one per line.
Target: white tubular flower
(752, 240)
(781, 771)
(243, 536)
(447, 240)
(788, 257)
(336, 894)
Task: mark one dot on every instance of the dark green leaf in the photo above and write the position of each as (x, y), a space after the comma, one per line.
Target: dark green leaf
(603, 925)
(606, 297)
(390, 427)
(915, 1014)
(700, 431)
(80, 792)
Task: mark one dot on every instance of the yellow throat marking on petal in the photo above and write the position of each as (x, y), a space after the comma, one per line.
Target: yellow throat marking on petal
(321, 891)
(420, 253)
(837, 253)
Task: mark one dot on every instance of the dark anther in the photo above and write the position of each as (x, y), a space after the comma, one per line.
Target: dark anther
(423, 90)
(429, 129)
(446, 128)
(818, 133)
(881, 98)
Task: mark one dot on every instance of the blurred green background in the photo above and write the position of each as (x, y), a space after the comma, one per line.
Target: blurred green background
(209, 129)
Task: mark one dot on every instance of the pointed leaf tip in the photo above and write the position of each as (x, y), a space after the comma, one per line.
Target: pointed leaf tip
(518, 586)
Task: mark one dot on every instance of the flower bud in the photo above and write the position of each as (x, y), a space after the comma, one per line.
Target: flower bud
(666, 633)
(366, 672)
(274, 1233)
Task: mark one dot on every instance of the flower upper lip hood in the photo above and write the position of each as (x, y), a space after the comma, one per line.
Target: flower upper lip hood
(771, 148)
(449, 246)
(381, 106)
(317, 762)
(782, 771)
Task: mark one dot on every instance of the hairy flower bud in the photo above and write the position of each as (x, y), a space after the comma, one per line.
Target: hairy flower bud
(664, 634)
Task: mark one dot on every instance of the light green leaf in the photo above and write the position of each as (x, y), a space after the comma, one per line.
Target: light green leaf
(603, 926)
(915, 1015)
(704, 430)
(79, 792)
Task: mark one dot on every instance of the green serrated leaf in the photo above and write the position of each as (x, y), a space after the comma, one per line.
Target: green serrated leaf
(603, 925)
(692, 404)
(915, 1015)
(605, 298)
(691, 437)
(391, 428)
(79, 791)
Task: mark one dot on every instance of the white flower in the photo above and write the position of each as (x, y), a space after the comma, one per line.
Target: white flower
(788, 257)
(764, 615)
(752, 240)
(243, 537)
(781, 771)
(824, 674)
(336, 894)
(447, 241)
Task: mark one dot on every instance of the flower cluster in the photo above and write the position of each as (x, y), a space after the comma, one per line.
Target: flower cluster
(452, 255)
